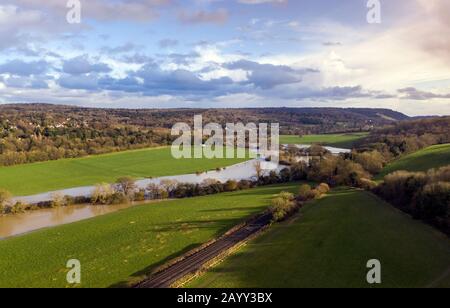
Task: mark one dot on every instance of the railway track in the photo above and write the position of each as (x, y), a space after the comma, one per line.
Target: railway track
(195, 262)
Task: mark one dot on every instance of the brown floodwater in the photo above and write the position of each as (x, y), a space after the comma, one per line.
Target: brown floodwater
(12, 225)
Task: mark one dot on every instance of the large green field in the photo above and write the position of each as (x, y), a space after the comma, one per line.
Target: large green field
(67, 173)
(424, 160)
(117, 246)
(329, 246)
(334, 140)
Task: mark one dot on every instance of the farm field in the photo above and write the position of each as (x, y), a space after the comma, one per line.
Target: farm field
(424, 160)
(334, 140)
(329, 246)
(119, 246)
(36, 178)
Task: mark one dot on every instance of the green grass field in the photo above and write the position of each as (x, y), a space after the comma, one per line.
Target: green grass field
(334, 140)
(68, 173)
(424, 160)
(117, 246)
(329, 246)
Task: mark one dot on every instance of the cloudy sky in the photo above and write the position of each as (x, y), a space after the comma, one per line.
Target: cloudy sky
(227, 53)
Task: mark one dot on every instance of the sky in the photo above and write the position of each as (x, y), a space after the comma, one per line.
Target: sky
(227, 53)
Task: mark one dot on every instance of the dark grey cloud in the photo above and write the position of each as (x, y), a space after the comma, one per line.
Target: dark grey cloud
(267, 76)
(415, 94)
(22, 68)
(26, 82)
(82, 65)
(79, 82)
(264, 80)
(158, 81)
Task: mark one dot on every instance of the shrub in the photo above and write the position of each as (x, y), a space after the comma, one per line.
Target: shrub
(57, 200)
(371, 161)
(305, 193)
(299, 171)
(119, 198)
(283, 206)
(139, 195)
(244, 184)
(424, 195)
(126, 185)
(18, 208)
(367, 184)
(102, 194)
(433, 201)
(69, 200)
(231, 186)
(323, 188)
(5, 198)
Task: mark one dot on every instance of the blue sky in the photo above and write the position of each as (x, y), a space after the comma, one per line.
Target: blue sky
(227, 53)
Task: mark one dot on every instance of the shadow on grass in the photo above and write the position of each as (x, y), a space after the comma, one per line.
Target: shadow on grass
(136, 277)
(222, 225)
(262, 208)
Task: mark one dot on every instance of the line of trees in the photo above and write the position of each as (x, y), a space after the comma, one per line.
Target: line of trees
(424, 195)
(27, 144)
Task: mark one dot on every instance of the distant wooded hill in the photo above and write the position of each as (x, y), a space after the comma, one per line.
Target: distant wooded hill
(292, 120)
(40, 132)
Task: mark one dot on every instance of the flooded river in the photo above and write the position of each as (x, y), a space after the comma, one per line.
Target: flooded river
(12, 225)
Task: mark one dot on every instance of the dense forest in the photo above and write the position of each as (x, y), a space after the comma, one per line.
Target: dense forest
(407, 137)
(40, 132)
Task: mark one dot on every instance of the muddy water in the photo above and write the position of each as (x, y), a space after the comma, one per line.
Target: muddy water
(22, 223)
(12, 225)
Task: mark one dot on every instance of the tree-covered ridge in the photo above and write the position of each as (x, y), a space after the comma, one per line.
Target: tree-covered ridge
(408, 136)
(39, 132)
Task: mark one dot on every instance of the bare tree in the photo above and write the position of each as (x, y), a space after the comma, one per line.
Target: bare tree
(126, 185)
(258, 169)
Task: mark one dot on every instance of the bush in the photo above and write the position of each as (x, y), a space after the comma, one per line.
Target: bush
(157, 192)
(139, 195)
(305, 193)
(5, 198)
(69, 200)
(119, 198)
(283, 206)
(244, 184)
(102, 194)
(57, 200)
(231, 186)
(426, 196)
(126, 185)
(370, 161)
(367, 184)
(323, 188)
(18, 208)
(433, 201)
(299, 171)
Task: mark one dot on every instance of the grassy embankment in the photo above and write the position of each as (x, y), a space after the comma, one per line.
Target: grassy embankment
(330, 244)
(423, 160)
